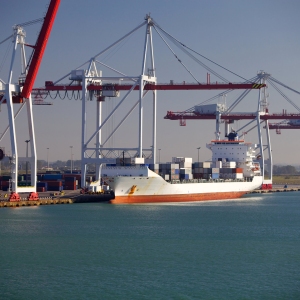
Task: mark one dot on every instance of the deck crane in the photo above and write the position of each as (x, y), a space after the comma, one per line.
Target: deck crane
(91, 84)
(21, 93)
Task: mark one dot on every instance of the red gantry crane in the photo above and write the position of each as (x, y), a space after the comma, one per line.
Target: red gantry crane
(21, 93)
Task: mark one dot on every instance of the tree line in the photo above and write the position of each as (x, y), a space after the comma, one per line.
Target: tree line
(285, 170)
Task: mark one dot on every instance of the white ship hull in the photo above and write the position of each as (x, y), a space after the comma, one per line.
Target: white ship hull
(149, 187)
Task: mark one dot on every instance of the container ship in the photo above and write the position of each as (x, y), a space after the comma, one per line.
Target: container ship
(232, 172)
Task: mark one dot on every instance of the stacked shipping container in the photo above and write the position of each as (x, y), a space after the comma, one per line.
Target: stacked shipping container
(45, 182)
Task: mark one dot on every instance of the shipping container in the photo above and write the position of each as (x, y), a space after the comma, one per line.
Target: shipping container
(174, 177)
(207, 170)
(52, 177)
(198, 175)
(70, 187)
(172, 166)
(182, 159)
(70, 178)
(238, 175)
(55, 188)
(54, 183)
(186, 176)
(237, 170)
(229, 164)
(215, 175)
(210, 108)
(185, 171)
(184, 164)
(206, 164)
(198, 164)
(215, 170)
(154, 167)
(206, 176)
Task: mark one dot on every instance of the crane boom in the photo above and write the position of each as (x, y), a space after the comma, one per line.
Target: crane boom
(232, 116)
(151, 87)
(40, 47)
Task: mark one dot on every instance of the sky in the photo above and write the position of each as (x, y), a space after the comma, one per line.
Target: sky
(242, 36)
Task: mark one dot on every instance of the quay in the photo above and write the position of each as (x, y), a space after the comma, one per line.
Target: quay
(275, 190)
(35, 202)
(69, 198)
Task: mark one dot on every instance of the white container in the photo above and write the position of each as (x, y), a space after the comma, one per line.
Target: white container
(210, 108)
(139, 160)
(215, 170)
(229, 164)
(238, 175)
(206, 164)
(184, 164)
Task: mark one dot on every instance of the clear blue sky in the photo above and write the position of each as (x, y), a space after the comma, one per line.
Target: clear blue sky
(243, 36)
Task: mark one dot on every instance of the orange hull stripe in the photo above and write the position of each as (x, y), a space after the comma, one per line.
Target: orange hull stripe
(175, 198)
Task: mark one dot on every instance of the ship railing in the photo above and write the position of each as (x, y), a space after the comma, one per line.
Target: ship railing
(246, 179)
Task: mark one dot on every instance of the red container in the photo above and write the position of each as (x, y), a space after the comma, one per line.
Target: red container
(237, 170)
(4, 183)
(198, 175)
(70, 186)
(53, 183)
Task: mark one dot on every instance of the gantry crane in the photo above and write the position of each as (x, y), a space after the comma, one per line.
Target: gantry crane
(92, 84)
(21, 93)
(261, 115)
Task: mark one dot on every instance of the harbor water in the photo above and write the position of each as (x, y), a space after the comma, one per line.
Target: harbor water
(239, 249)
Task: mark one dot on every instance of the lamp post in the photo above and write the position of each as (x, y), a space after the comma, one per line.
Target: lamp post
(71, 159)
(2, 153)
(159, 156)
(48, 159)
(198, 152)
(27, 141)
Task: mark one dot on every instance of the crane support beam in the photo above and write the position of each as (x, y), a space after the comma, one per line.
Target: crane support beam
(193, 116)
(40, 47)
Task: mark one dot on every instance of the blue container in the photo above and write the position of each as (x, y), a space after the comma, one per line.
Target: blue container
(215, 176)
(184, 176)
(40, 177)
(42, 184)
(52, 176)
